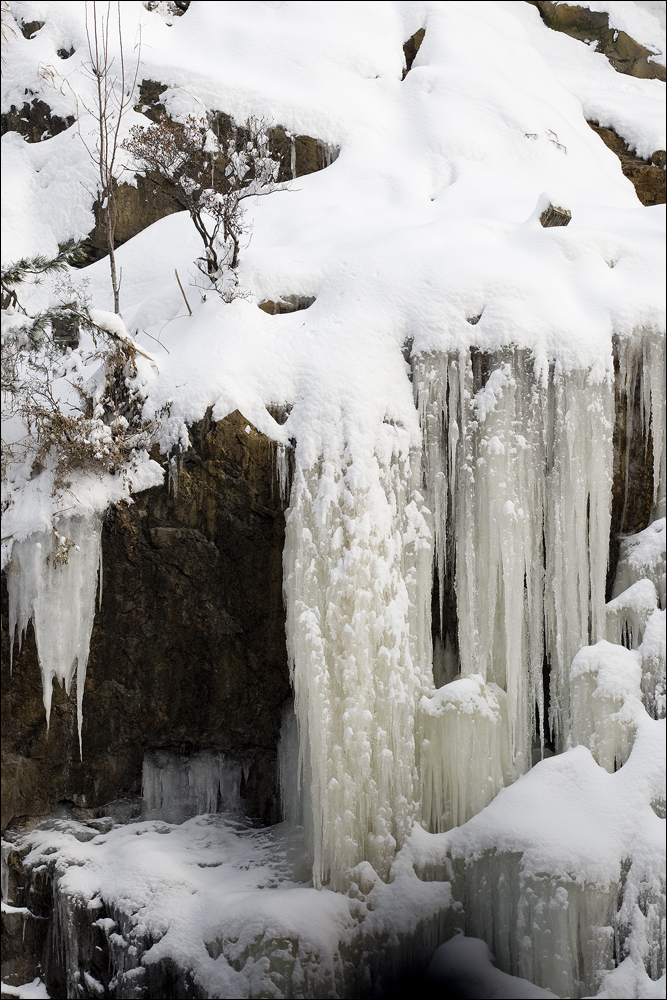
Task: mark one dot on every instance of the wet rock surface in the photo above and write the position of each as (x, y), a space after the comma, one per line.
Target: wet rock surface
(188, 648)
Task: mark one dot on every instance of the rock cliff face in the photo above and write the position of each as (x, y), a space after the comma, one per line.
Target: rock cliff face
(188, 648)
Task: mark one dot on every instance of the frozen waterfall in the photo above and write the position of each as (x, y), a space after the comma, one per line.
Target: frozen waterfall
(517, 795)
(357, 588)
(510, 500)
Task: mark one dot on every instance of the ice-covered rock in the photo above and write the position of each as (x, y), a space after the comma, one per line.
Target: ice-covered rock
(464, 754)
(606, 700)
(642, 556)
(628, 613)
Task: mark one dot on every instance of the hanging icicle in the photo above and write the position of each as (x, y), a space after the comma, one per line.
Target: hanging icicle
(53, 579)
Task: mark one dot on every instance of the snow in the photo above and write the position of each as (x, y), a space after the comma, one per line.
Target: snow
(645, 22)
(614, 100)
(222, 899)
(422, 235)
(36, 990)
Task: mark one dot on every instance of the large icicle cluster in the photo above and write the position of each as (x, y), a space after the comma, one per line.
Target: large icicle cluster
(518, 460)
(357, 584)
(53, 578)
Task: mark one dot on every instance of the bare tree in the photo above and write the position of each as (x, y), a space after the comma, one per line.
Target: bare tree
(112, 100)
(210, 178)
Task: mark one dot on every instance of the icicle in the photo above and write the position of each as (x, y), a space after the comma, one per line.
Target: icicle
(628, 614)
(357, 585)
(652, 652)
(53, 580)
(577, 523)
(282, 459)
(642, 357)
(175, 787)
(518, 470)
(464, 751)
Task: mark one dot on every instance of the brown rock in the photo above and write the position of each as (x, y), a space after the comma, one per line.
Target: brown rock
(555, 216)
(286, 304)
(411, 48)
(623, 52)
(648, 176)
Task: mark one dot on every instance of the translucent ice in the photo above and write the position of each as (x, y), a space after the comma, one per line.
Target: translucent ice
(357, 583)
(176, 787)
(52, 579)
(518, 462)
(606, 699)
(464, 750)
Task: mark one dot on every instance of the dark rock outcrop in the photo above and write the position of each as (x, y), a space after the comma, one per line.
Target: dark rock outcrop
(411, 48)
(648, 176)
(623, 52)
(34, 121)
(187, 651)
(30, 28)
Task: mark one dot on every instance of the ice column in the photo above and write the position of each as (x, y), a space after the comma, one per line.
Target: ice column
(518, 460)
(358, 562)
(52, 578)
(606, 700)
(464, 751)
(652, 651)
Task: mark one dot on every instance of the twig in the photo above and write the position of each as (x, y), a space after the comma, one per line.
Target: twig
(182, 292)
